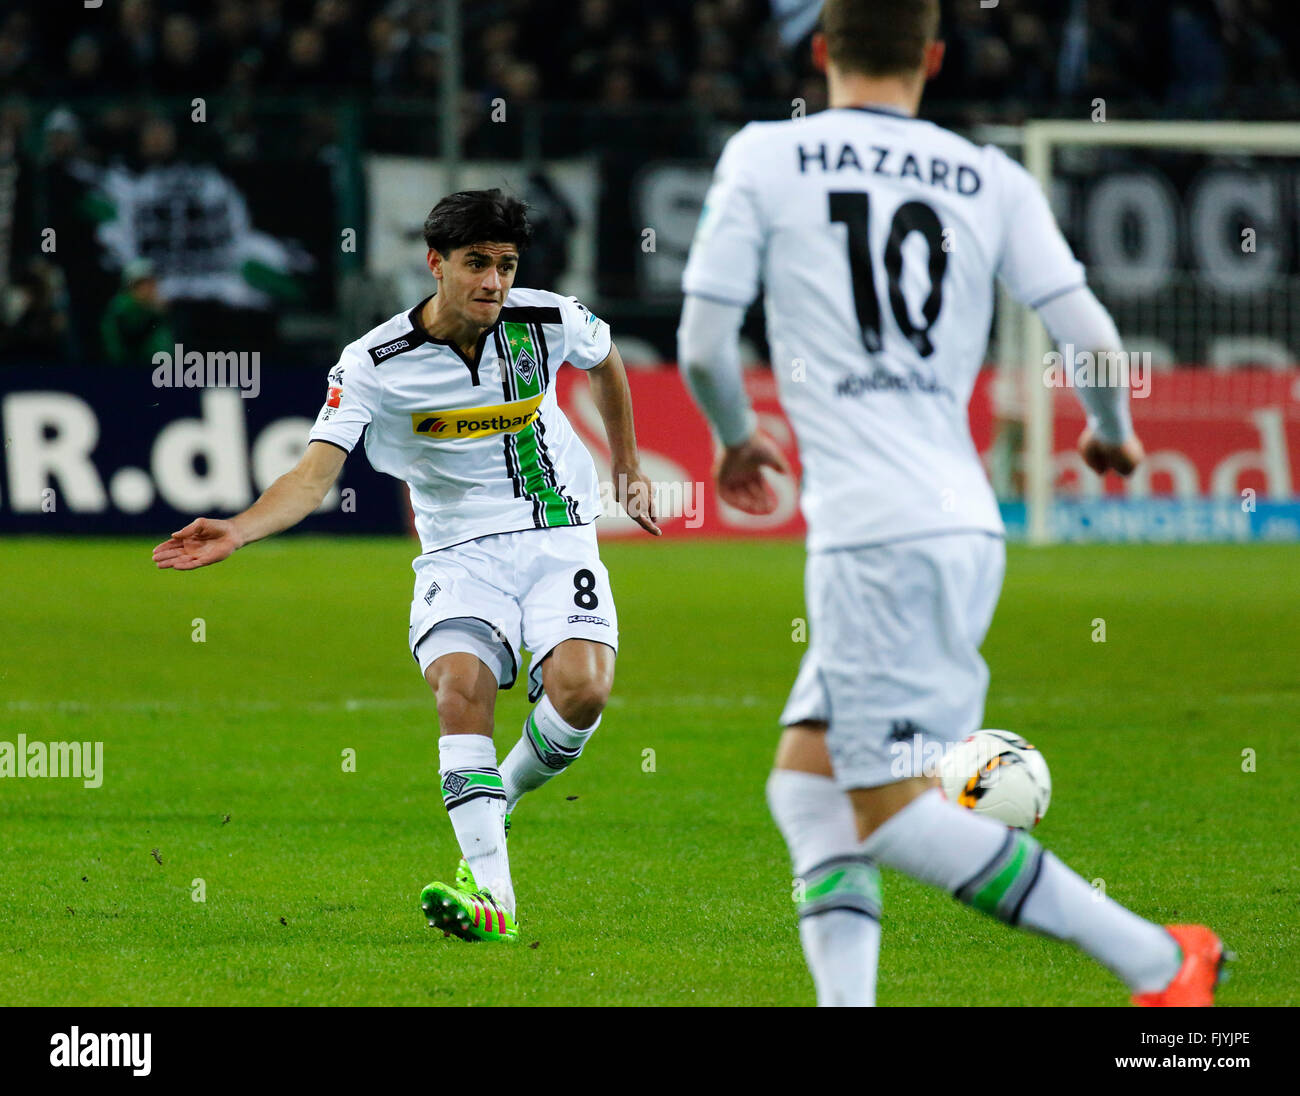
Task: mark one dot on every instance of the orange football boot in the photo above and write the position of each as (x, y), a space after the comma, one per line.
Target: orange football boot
(1193, 985)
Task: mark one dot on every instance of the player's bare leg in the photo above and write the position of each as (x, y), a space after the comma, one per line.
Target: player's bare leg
(465, 691)
(837, 889)
(872, 807)
(577, 677)
(802, 749)
(1004, 872)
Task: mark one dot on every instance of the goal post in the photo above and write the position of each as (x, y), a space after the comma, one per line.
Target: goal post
(1024, 336)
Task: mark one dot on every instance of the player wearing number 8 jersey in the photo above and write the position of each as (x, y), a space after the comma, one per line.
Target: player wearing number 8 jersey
(877, 238)
(457, 398)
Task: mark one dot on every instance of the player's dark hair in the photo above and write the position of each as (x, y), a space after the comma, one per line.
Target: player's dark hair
(477, 217)
(879, 37)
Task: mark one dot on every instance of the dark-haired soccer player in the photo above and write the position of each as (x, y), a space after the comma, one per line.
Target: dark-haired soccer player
(878, 238)
(457, 398)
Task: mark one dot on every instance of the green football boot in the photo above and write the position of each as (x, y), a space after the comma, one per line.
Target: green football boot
(465, 877)
(471, 915)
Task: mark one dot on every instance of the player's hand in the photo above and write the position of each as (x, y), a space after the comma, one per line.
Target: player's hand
(636, 496)
(739, 474)
(1103, 457)
(202, 542)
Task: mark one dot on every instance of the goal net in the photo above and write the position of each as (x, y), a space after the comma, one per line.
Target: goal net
(1191, 238)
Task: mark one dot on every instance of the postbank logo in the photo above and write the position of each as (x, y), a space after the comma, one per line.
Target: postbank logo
(476, 422)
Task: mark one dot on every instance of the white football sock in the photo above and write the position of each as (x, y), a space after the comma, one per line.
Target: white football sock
(1062, 904)
(1005, 873)
(837, 888)
(475, 801)
(547, 746)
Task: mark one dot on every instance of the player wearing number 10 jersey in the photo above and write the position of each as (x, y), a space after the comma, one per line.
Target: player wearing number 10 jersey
(456, 397)
(877, 238)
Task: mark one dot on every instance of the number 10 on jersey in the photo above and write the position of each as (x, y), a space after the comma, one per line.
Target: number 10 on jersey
(853, 208)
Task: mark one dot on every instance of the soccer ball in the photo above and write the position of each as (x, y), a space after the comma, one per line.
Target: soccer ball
(999, 774)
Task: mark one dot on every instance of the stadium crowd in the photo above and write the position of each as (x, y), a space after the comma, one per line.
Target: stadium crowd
(717, 53)
(86, 92)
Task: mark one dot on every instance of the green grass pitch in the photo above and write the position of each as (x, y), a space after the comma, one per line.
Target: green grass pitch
(224, 763)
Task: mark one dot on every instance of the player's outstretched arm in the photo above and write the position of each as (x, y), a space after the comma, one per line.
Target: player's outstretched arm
(709, 357)
(613, 399)
(285, 503)
(739, 473)
(1108, 443)
(1105, 456)
(1041, 271)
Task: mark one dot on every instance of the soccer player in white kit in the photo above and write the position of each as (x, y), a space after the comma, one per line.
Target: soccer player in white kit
(877, 238)
(457, 398)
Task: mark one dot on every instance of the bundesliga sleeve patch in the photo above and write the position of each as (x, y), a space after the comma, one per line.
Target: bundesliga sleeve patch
(592, 325)
(334, 394)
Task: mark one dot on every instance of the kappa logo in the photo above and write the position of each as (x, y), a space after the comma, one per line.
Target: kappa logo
(585, 618)
(454, 784)
(900, 730)
(379, 353)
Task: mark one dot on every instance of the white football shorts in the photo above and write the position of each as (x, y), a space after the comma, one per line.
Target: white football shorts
(500, 595)
(895, 632)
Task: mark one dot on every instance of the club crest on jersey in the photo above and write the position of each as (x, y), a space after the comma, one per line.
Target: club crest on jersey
(476, 422)
(525, 366)
(523, 352)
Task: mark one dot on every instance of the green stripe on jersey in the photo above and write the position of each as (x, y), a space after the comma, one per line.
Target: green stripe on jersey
(555, 507)
(525, 359)
(524, 374)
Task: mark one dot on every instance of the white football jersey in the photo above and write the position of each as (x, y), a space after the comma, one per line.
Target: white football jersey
(484, 447)
(877, 238)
